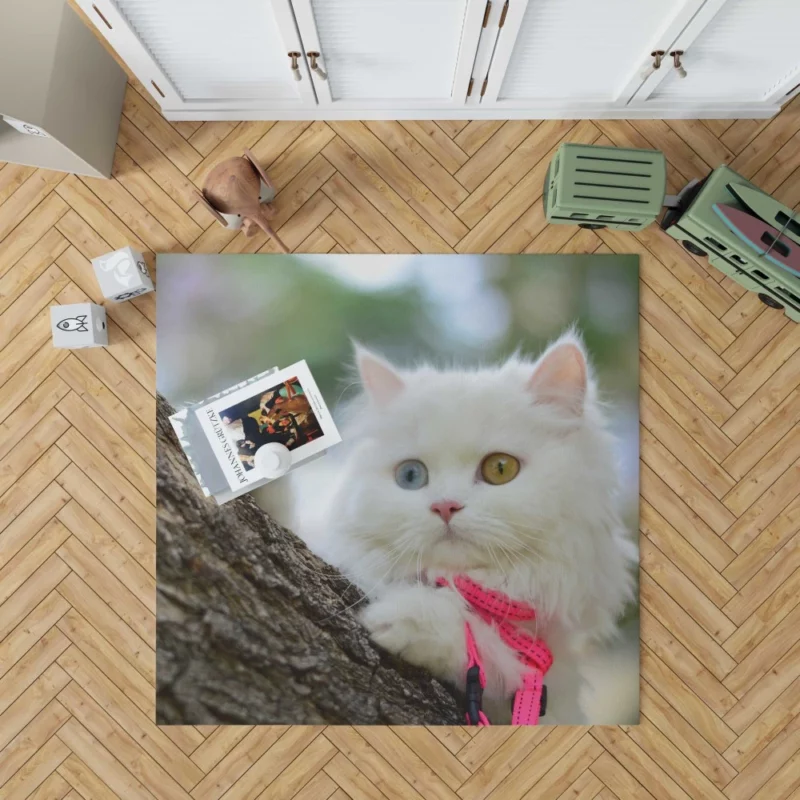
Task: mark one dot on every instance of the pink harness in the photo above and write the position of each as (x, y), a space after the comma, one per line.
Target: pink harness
(498, 609)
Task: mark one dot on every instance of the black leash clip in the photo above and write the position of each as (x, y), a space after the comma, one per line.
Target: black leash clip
(474, 695)
(543, 701)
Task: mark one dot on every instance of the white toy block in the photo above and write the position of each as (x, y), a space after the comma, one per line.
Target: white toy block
(78, 325)
(122, 274)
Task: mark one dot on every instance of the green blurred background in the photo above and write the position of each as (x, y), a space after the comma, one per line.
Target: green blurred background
(222, 319)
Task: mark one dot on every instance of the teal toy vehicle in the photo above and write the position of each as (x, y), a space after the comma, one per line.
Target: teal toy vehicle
(612, 187)
(702, 232)
(605, 187)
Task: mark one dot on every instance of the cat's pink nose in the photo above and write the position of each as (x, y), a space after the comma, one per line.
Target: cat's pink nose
(446, 508)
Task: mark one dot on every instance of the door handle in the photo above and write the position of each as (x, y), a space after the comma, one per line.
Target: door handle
(295, 67)
(676, 60)
(313, 56)
(657, 55)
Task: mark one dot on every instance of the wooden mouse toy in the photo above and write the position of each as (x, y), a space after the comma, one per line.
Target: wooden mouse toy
(238, 193)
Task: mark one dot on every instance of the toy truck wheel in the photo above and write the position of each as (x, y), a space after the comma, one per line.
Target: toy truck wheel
(769, 301)
(693, 248)
(592, 226)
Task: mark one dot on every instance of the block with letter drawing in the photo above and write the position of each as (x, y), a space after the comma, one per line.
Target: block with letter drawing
(122, 274)
(78, 325)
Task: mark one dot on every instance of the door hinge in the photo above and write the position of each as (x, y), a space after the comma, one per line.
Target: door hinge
(503, 15)
(486, 13)
(483, 88)
(469, 88)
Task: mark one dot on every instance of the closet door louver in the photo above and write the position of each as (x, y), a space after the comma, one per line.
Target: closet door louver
(582, 50)
(214, 51)
(386, 50)
(749, 51)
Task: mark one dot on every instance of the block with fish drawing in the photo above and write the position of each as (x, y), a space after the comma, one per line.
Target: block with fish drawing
(122, 274)
(78, 325)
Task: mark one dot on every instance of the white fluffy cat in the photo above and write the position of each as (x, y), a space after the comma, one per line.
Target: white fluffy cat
(505, 474)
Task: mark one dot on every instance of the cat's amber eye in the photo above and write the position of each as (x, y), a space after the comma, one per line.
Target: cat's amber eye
(499, 468)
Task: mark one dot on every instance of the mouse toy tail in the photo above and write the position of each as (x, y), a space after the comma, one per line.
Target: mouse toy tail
(263, 223)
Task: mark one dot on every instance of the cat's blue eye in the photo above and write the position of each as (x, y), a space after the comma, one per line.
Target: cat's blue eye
(411, 474)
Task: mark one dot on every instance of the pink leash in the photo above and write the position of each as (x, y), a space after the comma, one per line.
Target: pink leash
(498, 609)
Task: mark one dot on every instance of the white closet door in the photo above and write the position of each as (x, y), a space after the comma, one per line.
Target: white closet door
(579, 51)
(391, 53)
(231, 54)
(749, 51)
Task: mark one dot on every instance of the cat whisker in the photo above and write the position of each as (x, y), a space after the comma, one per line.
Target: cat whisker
(496, 561)
(345, 389)
(366, 593)
(493, 526)
(392, 557)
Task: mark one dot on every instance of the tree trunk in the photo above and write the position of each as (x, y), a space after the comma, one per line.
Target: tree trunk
(253, 628)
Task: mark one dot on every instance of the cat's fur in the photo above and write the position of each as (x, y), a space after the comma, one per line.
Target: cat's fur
(551, 537)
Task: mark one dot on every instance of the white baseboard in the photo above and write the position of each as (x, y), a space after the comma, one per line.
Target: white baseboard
(693, 111)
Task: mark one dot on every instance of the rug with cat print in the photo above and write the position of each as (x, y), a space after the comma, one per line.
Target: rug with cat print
(452, 537)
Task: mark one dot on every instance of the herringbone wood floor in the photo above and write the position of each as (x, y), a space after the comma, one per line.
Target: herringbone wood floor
(720, 404)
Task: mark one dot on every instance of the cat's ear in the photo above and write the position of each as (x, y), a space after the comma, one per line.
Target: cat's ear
(380, 379)
(560, 376)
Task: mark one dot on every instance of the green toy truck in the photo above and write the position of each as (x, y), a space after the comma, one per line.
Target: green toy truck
(702, 232)
(605, 187)
(611, 187)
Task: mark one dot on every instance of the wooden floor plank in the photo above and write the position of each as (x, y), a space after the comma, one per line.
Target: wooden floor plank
(160, 132)
(12, 176)
(510, 171)
(114, 446)
(113, 628)
(153, 161)
(208, 135)
(476, 133)
(408, 187)
(493, 153)
(28, 525)
(148, 193)
(107, 777)
(691, 597)
(111, 518)
(286, 150)
(227, 772)
(26, 198)
(680, 553)
(30, 267)
(419, 161)
(30, 557)
(498, 210)
(32, 592)
(683, 737)
(686, 703)
(120, 744)
(98, 469)
(30, 630)
(437, 143)
(36, 770)
(120, 708)
(366, 228)
(120, 598)
(30, 230)
(385, 200)
(103, 546)
(31, 484)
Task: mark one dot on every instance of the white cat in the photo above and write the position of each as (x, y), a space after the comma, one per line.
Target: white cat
(505, 474)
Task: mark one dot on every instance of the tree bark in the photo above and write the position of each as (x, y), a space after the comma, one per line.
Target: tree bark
(253, 628)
